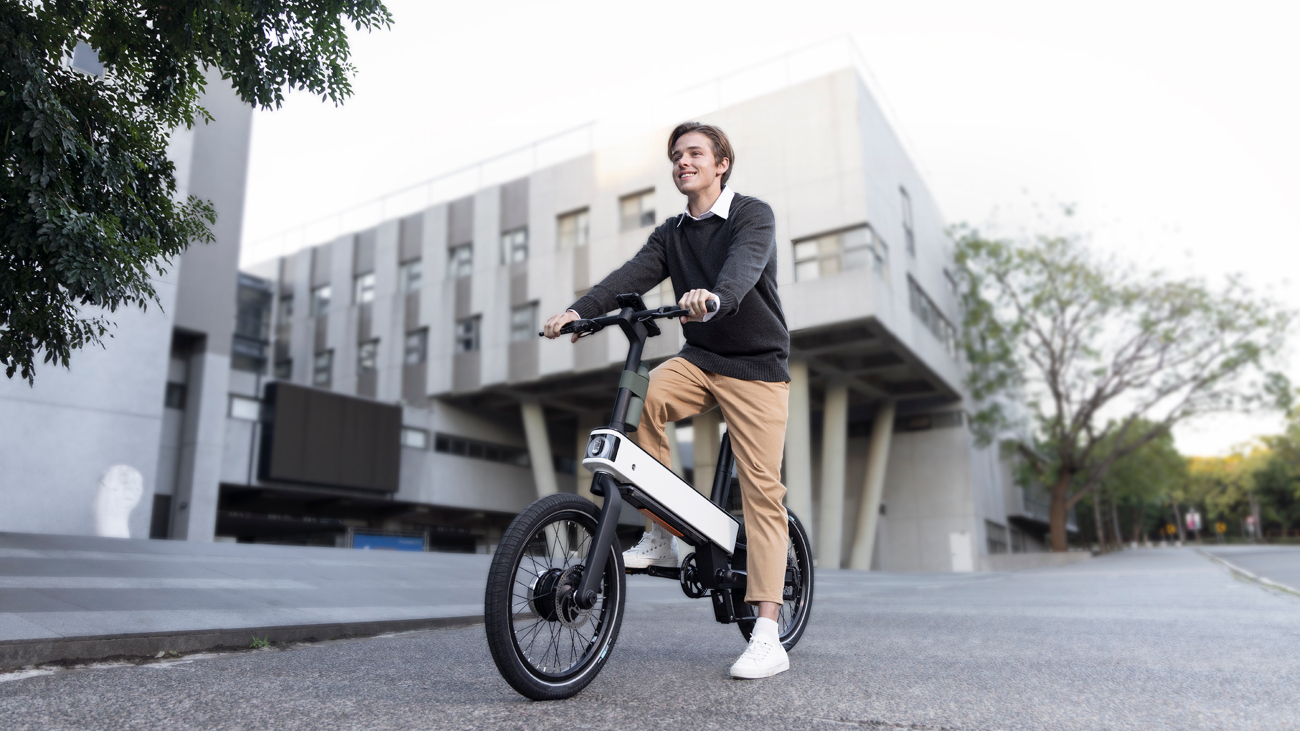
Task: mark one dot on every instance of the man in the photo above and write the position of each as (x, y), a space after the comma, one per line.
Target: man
(721, 248)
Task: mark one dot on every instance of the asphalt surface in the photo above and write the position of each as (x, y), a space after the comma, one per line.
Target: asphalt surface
(1275, 563)
(1146, 639)
(53, 587)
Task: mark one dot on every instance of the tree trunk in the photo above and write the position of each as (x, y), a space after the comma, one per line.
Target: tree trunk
(1139, 523)
(1259, 525)
(1096, 519)
(1178, 523)
(1059, 512)
(1114, 519)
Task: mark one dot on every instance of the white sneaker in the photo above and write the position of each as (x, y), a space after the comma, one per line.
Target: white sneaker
(656, 548)
(762, 659)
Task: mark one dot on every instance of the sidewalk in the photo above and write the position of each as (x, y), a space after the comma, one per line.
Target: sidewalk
(73, 597)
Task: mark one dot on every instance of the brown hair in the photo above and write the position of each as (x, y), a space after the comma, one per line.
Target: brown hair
(721, 145)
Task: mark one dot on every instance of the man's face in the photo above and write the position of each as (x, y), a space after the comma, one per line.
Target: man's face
(694, 168)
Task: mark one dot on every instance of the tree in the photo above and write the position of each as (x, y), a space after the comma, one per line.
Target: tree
(1102, 358)
(1142, 481)
(87, 209)
(1226, 486)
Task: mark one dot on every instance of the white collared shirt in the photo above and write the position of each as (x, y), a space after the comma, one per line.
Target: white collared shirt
(721, 207)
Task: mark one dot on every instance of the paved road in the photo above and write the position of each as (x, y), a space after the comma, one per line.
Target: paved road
(1148, 639)
(73, 586)
(1276, 563)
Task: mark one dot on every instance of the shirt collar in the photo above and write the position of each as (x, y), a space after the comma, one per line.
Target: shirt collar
(721, 207)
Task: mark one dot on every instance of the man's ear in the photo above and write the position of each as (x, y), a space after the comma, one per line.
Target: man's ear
(724, 166)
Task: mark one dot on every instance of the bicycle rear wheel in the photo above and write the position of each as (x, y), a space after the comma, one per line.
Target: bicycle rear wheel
(792, 618)
(546, 646)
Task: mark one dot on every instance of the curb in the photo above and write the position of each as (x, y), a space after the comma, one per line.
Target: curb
(15, 654)
(1248, 575)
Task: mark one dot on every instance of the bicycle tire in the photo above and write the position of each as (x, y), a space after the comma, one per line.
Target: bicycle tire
(511, 597)
(792, 619)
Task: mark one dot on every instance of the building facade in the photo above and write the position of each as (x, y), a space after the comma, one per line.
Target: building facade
(424, 328)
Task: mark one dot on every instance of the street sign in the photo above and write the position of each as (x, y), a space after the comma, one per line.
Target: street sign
(1171, 529)
(1220, 527)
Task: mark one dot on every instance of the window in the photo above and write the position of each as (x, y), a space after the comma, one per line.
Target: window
(572, 230)
(996, 536)
(467, 335)
(460, 261)
(523, 323)
(908, 232)
(410, 274)
(514, 246)
(930, 316)
(286, 310)
(461, 447)
(252, 324)
(415, 438)
(363, 289)
(417, 347)
(247, 355)
(86, 60)
(368, 356)
(174, 398)
(320, 300)
(822, 256)
(637, 211)
(243, 407)
(322, 368)
(284, 370)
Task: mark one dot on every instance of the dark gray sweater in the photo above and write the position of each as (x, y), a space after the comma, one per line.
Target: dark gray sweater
(733, 257)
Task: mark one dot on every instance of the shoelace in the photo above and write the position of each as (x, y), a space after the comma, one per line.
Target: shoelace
(758, 650)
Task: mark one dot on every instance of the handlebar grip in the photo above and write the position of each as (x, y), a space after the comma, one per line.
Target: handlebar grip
(711, 306)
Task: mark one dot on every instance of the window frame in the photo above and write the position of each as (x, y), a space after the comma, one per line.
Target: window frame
(581, 229)
(244, 402)
(363, 288)
(909, 223)
(510, 246)
(454, 266)
(368, 351)
(644, 216)
(408, 283)
(412, 431)
(328, 368)
(320, 304)
(874, 245)
(523, 334)
(477, 335)
(423, 335)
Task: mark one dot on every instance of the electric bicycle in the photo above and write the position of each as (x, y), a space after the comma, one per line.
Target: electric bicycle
(557, 585)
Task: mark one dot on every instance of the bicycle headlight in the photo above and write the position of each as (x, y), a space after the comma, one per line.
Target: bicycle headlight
(600, 447)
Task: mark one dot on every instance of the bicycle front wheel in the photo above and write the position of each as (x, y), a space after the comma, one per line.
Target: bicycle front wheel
(546, 646)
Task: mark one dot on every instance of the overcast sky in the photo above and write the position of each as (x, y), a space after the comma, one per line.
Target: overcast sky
(1173, 126)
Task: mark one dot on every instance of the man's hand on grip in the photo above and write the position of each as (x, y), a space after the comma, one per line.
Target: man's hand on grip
(553, 325)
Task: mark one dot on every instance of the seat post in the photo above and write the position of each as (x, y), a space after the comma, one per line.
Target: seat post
(721, 494)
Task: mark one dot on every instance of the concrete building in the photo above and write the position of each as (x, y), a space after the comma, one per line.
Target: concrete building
(424, 327)
(154, 397)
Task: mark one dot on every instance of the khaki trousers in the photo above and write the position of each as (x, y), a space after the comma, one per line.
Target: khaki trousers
(755, 412)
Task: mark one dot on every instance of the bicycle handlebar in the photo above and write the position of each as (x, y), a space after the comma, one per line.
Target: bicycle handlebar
(597, 324)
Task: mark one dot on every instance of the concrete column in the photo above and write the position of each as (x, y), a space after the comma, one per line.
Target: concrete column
(706, 443)
(539, 448)
(586, 422)
(835, 434)
(194, 508)
(798, 447)
(873, 487)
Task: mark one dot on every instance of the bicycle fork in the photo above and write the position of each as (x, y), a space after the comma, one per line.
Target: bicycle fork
(601, 484)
